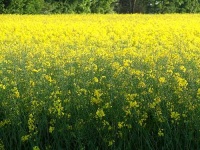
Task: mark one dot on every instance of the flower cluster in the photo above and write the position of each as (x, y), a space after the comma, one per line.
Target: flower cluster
(99, 79)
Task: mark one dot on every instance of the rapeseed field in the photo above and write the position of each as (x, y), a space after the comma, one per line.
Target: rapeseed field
(100, 81)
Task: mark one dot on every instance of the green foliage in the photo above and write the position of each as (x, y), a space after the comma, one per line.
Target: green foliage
(1, 6)
(33, 6)
(103, 6)
(15, 6)
(173, 6)
(159, 6)
(22, 6)
(99, 6)
(56, 6)
(83, 6)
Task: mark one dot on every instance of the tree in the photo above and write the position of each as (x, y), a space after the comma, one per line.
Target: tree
(159, 6)
(102, 6)
(15, 6)
(2, 7)
(99, 6)
(189, 6)
(33, 6)
(23, 6)
(132, 6)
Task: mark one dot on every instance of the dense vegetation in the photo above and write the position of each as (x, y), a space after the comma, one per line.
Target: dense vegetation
(159, 6)
(56, 6)
(98, 6)
(100, 82)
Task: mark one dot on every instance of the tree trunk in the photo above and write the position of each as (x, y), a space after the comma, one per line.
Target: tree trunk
(134, 5)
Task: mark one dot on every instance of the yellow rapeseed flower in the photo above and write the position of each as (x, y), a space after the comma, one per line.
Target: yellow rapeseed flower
(175, 115)
(182, 68)
(160, 132)
(100, 113)
(95, 79)
(162, 80)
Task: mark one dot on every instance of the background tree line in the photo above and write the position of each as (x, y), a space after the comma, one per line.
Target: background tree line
(98, 6)
(159, 6)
